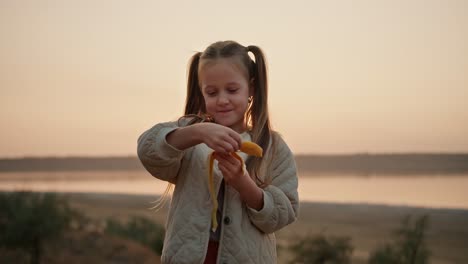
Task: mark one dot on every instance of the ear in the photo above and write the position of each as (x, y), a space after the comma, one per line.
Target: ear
(251, 87)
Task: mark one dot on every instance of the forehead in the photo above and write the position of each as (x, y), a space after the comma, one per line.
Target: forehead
(222, 67)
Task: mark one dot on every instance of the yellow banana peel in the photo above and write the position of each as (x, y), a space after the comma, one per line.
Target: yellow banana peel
(251, 149)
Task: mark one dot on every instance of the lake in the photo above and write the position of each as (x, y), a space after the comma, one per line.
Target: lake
(443, 191)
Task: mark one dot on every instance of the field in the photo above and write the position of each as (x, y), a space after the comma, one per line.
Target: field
(367, 225)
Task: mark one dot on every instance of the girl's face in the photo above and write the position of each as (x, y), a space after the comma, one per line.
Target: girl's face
(225, 88)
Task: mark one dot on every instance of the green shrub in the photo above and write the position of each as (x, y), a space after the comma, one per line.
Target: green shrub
(320, 249)
(28, 219)
(139, 229)
(408, 246)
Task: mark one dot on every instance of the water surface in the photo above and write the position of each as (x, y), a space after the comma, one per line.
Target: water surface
(444, 191)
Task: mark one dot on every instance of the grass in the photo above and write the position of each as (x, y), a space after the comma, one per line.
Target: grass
(367, 225)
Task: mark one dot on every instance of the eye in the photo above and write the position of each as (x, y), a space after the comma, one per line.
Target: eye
(232, 90)
(211, 93)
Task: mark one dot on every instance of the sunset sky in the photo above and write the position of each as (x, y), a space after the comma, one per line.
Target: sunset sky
(86, 78)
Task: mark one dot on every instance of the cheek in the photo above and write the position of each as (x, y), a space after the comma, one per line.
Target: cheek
(209, 104)
(242, 100)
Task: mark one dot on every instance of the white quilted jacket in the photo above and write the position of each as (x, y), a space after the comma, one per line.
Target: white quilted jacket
(247, 235)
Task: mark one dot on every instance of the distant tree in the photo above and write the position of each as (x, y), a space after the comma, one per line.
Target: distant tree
(408, 246)
(139, 229)
(320, 250)
(385, 254)
(28, 219)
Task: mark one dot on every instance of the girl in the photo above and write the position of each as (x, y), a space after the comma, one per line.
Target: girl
(226, 104)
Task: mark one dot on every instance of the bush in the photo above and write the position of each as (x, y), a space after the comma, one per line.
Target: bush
(320, 249)
(28, 219)
(408, 246)
(139, 229)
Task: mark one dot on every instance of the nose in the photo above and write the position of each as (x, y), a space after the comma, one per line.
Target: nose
(223, 99)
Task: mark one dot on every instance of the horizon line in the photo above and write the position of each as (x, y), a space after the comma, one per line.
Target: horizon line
(295, 154)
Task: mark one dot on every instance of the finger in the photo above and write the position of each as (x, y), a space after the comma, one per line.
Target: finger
(223, 169)
(231, 145)
(231, 160)
(226, 143)
(237, 138)
(221, 166)
(230, 163)
(223, 163)
(228, 148)
(223, 147)
(221, 157)
(233, 142)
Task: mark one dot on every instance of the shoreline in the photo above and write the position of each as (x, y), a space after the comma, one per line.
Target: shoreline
(302, 202)
(305, 201)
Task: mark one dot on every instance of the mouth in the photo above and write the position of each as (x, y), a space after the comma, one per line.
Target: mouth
(224, 111)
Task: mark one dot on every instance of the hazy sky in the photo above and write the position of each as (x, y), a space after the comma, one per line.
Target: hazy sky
(88, 77)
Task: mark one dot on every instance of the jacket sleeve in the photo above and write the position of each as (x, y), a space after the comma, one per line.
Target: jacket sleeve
(159, 158)
(280, 197)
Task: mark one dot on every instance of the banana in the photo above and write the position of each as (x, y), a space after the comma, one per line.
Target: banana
(211, 187)
(251, 148)
(247, 147)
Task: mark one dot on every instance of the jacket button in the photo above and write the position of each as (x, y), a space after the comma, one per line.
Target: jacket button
(227, 220)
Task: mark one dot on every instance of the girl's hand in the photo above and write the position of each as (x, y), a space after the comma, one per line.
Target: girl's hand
(232, 170)
(234, 175)
(219, 138)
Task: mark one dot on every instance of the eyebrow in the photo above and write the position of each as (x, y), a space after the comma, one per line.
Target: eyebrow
(214, 86)
(208, 87)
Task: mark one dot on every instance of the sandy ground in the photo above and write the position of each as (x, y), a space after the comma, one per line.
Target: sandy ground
(367, 225)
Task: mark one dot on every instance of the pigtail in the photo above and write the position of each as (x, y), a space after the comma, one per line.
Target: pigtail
(258, 112)
(194, 102)
(194, 107)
